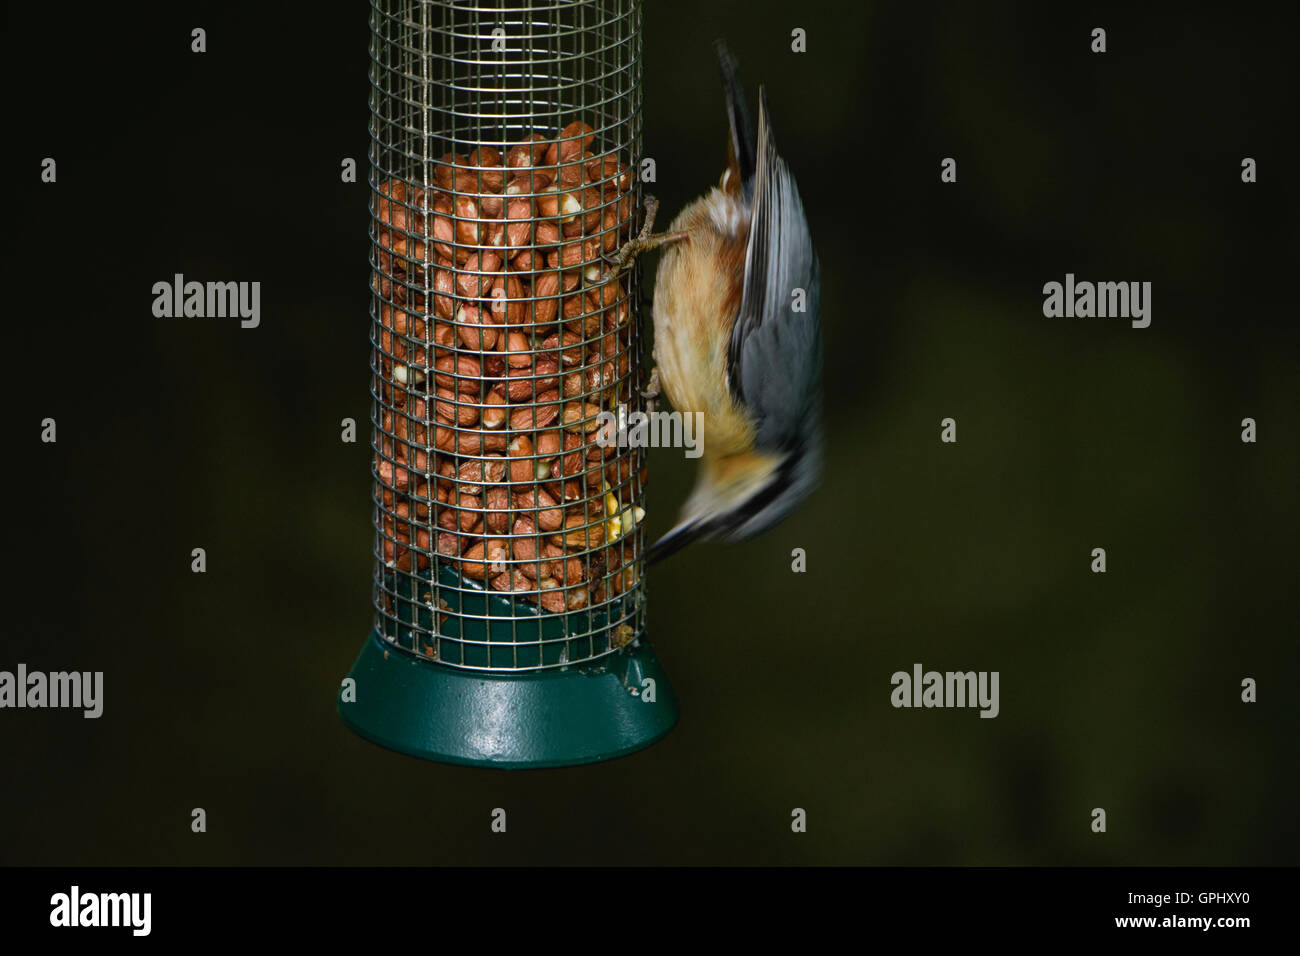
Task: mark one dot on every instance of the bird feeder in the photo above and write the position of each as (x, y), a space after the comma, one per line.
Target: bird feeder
(509, 598)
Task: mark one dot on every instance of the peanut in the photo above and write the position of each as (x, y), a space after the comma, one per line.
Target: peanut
(498, 343)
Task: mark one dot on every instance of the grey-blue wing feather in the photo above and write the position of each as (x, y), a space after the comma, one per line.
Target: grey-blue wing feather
(775, 352)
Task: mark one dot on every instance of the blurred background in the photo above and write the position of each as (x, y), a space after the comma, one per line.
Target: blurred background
(1119, 691)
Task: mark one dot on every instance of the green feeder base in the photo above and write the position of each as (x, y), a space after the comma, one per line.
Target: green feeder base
(544, 718)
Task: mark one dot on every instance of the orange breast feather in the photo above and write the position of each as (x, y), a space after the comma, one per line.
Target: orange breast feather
(697, 295)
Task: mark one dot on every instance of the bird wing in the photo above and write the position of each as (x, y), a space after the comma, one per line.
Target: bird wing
(774, 356)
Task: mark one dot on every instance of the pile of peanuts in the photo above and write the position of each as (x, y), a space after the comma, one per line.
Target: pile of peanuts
(502, 335)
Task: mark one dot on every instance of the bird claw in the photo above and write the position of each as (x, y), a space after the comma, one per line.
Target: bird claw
(651, 211)
(652, 390)
(645, 241)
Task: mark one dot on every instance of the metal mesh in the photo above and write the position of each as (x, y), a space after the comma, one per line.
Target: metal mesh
(502, 141)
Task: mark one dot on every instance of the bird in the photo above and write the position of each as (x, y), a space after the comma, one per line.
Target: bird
(737, 333)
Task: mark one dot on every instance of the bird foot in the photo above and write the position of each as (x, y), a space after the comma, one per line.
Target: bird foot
(652, 391)
(645, 241)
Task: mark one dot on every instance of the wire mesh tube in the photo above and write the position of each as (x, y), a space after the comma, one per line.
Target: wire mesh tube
(503, 136)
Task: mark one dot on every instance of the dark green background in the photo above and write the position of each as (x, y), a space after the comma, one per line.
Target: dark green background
(1118, 690)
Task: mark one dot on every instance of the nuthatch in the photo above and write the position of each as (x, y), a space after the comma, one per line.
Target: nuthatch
(738, 335)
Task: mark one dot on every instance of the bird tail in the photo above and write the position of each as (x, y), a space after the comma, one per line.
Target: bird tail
(672, 542)
(743, 156)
